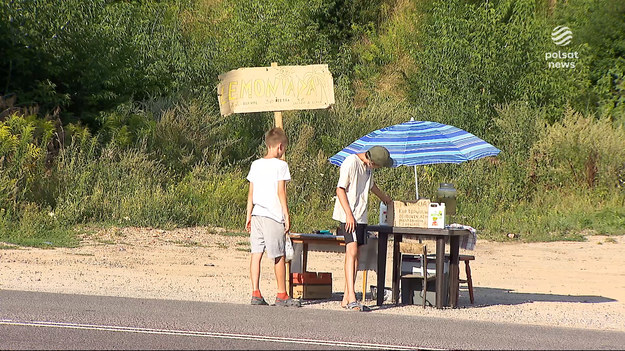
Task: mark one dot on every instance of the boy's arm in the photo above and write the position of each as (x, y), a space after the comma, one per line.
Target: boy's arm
(285, 207)
(350, 221)
(380, 194)
(250, 205)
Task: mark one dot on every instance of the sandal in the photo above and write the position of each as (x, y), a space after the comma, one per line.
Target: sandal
(288, 302)
(357, 306)
(259, 301)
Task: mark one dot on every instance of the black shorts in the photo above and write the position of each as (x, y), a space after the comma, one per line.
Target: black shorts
(359, 236)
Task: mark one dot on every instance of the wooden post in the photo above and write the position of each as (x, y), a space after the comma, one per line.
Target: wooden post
(277, 120)
(364, 285)
(277, 115)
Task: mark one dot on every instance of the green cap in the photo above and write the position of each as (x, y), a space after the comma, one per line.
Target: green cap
(380, 156)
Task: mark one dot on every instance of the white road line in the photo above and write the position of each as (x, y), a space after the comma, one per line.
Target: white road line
(334, 343)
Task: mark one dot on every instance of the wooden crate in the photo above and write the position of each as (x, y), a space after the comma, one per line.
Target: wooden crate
(409, 213)
(310, 292)
(312, 278)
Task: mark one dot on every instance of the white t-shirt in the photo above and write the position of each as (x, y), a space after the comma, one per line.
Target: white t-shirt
(356, 178)
(264, 175)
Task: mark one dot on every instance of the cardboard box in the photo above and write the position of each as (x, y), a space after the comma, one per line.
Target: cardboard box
(436, 215)
(409, 213)
(312, 278)
(307, 292)
(412, 291)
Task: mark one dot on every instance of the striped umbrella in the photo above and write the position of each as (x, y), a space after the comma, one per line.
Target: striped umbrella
(421, 143)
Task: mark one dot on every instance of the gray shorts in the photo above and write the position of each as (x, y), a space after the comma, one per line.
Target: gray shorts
(267, 234)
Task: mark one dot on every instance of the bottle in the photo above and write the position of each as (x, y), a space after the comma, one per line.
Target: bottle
(383, 214)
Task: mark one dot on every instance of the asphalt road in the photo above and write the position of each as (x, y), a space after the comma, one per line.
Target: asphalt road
(30, 320)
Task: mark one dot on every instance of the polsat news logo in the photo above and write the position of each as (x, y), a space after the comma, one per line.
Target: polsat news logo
(561, 36)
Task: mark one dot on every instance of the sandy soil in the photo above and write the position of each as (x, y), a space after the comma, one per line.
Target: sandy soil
(568, 284)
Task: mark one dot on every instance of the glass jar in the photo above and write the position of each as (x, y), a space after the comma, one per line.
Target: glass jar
(447, 194)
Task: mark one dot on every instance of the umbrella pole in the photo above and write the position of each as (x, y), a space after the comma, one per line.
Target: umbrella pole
(416, 183)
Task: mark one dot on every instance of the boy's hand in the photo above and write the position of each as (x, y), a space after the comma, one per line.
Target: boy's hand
(388, 200)
(350, 223)
(287, 224)
(248, 225)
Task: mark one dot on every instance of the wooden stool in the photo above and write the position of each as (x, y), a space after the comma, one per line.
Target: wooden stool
(466, 259)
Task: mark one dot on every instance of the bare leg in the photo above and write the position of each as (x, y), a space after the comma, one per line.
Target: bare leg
(355, 271)
(351, 258)
(280, 269)
(255, 270)
(344, 302)
(356, 263)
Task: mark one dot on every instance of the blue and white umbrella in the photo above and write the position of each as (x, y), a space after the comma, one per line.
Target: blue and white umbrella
(421, 143)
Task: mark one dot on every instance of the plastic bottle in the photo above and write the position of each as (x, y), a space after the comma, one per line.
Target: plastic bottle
(383, 214)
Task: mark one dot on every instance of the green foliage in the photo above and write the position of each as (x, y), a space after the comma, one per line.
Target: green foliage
(599, 24)
(254, 33)
(472, 57)
(23, 151)
(92, 55)
(610, 90)
(35, 227)
(580, 152)
(192, 133)
(127, 187)
(214, 198)
(570, 180)
(555, 215)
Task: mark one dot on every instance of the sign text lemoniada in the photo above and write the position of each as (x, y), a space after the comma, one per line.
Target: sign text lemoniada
(279, 88)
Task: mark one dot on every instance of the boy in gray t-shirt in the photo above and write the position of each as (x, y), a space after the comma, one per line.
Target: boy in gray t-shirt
(267, 218)
(350, 209)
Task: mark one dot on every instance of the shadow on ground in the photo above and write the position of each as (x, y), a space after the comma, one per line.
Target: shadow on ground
(484, 297)
(495, 296)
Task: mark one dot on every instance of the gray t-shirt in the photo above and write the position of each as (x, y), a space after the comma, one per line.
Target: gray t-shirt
(356, 178)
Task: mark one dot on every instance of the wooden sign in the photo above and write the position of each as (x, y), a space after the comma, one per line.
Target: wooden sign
(276, 88)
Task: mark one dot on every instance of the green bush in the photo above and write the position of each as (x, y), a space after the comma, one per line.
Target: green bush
(598, 24)
(89, 56)
(213, 197)
(473, 56)
(23, 152)
(192, 133)
(580, 152)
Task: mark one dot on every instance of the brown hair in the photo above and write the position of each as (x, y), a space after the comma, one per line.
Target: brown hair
(275, 136)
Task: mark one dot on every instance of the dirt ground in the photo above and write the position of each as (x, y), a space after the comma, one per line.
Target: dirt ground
(568, 284)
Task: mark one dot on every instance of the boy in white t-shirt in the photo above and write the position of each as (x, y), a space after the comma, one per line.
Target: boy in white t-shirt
(350, 209)
(268, 215)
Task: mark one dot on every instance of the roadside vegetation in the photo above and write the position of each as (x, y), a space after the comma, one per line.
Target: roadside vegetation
(109, 113)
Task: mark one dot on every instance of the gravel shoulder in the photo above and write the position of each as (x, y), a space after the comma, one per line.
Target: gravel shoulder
(565, 284)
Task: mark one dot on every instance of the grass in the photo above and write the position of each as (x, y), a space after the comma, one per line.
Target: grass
(57, 237)
(236, 234)
(106, 241)
(186, 243)
(556, 216)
